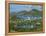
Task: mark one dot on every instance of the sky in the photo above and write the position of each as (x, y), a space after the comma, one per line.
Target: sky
(18, 8)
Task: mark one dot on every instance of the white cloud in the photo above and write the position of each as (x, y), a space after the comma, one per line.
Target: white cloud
(28, 7)
(37, 7)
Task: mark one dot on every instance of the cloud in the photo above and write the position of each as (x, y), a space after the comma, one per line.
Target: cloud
(30, 7)
(38, 7)
(27, 7)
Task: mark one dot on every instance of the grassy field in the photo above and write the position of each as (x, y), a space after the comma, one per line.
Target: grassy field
(25, 25)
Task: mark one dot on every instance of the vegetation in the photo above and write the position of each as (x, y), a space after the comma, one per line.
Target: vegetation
(20, 24)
